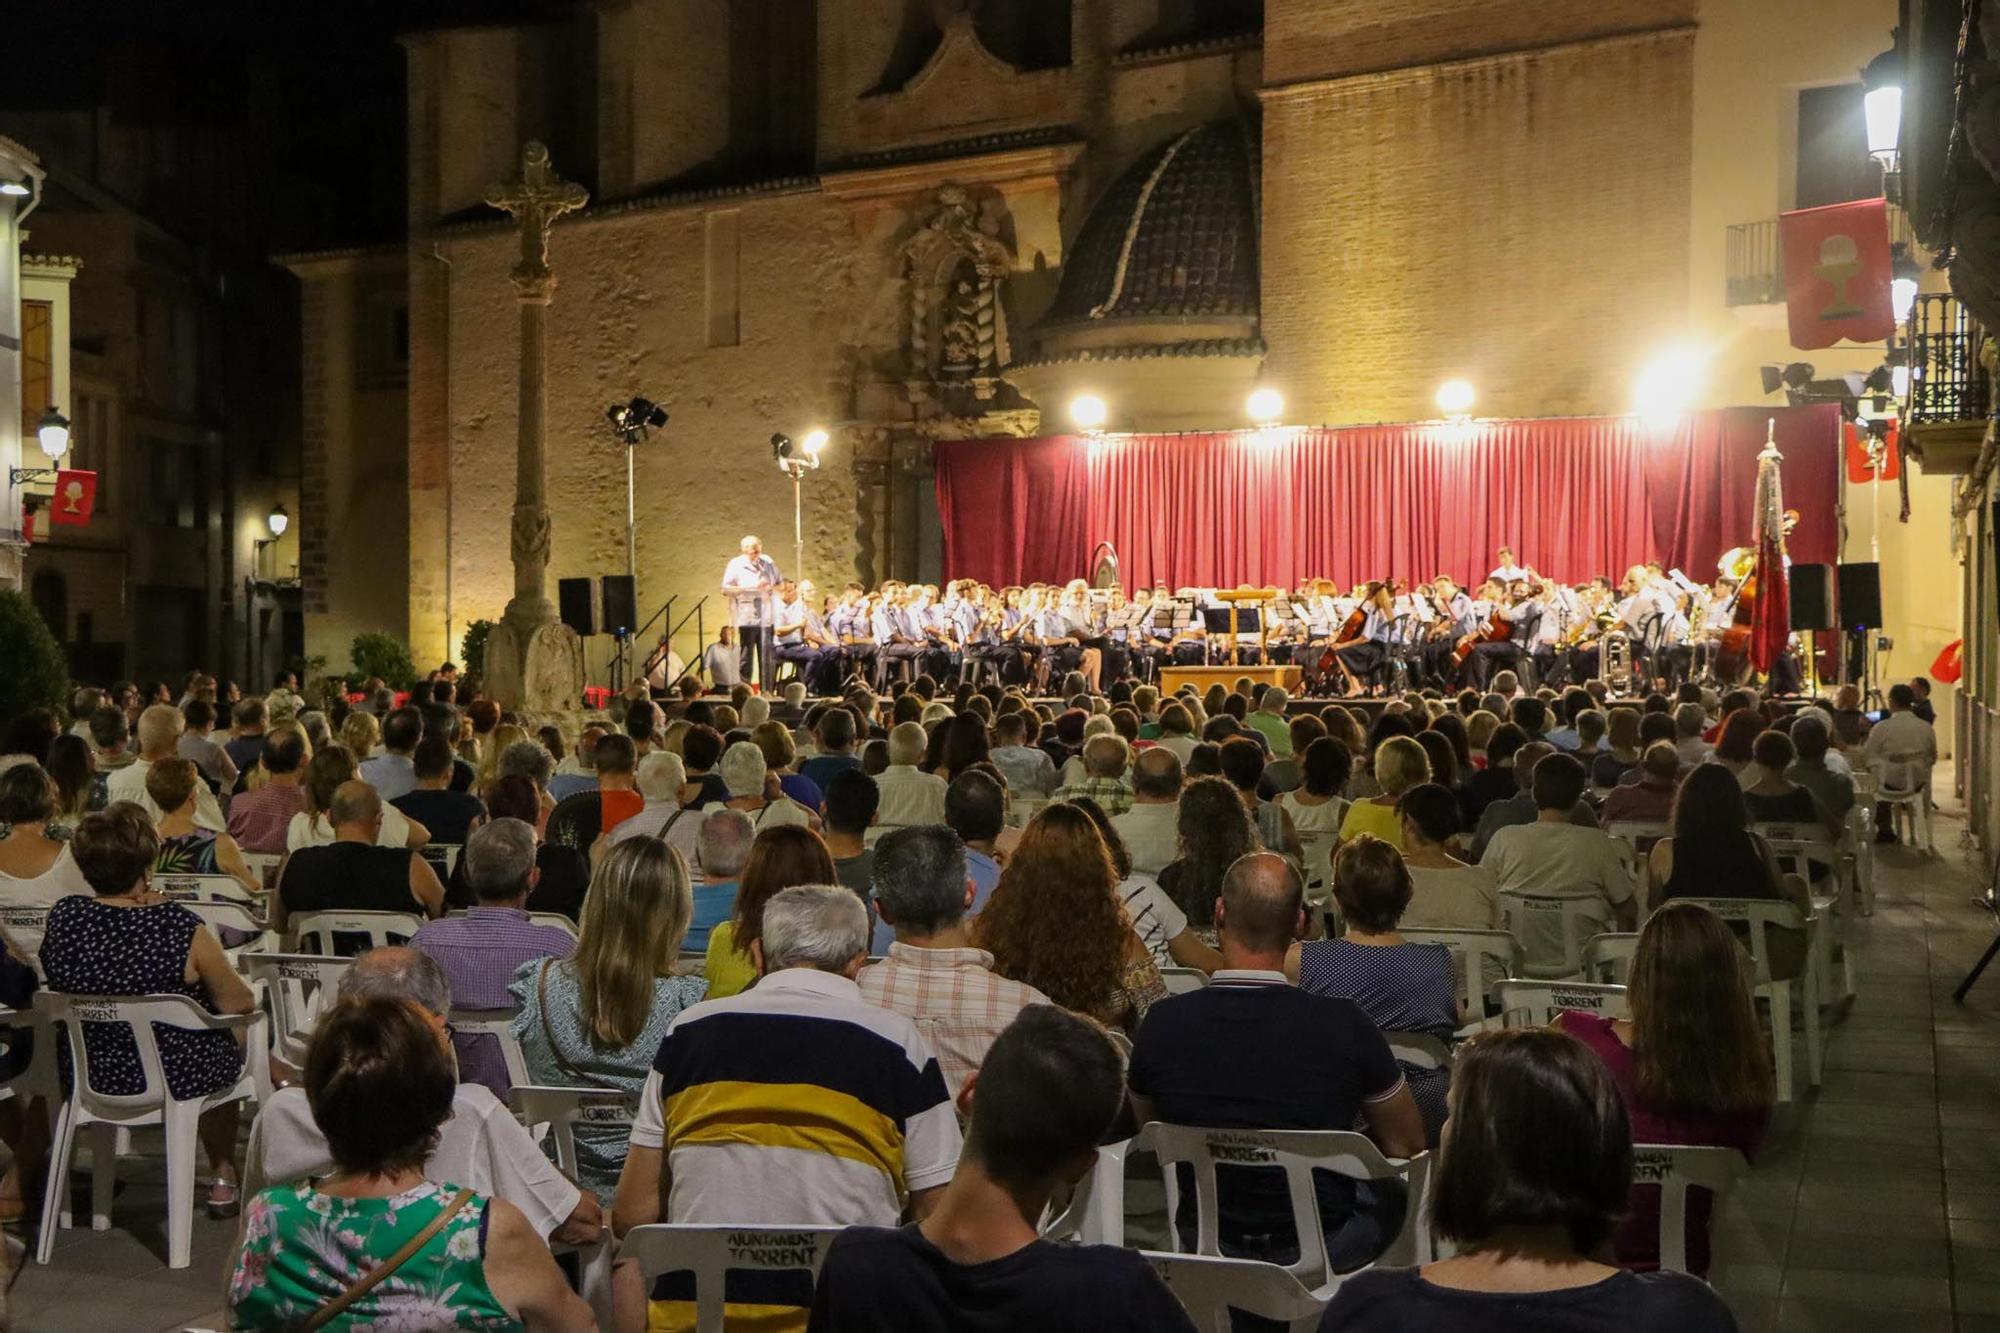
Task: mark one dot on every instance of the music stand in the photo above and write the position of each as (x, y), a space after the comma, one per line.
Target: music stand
(1232, 620)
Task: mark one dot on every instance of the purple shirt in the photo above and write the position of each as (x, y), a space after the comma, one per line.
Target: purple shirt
(480, 952)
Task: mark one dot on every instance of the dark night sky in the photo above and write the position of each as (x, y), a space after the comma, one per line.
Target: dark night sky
(297, 107)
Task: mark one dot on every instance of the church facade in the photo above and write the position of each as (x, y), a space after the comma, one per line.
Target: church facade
(905, 221)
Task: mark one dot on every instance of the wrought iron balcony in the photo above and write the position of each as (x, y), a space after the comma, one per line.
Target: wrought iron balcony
(1950, 379)
(1751, 270)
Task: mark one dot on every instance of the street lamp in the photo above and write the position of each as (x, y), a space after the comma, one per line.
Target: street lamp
(52, 433)
(278, 520)
(1882, 113)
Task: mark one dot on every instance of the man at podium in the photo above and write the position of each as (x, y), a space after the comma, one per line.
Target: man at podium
(748, 583)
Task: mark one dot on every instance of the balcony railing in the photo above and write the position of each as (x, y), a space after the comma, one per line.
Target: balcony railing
(1751, 267)
(1948, 382)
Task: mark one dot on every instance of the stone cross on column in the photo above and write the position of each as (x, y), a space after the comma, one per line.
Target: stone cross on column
(534, 660)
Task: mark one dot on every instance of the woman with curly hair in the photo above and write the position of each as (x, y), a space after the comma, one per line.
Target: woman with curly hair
(1215, 830)
(1053, 922)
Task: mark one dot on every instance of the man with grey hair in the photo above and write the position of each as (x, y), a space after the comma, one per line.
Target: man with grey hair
(933, 974)
(159, 737)
(1689, 722)
(800, 1047)
(662, 775)
(1812, 737)
(909, 796)
(481, 1146)
(723, 849)
(1104, 758)
(1150, 827)
(482, 950)
(530, 760)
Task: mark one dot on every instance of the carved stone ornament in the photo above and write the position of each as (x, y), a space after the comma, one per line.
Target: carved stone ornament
(956, 329)
(536, 200)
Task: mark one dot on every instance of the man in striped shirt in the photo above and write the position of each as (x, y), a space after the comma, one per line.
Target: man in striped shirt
(794, 1103)
(932, 974)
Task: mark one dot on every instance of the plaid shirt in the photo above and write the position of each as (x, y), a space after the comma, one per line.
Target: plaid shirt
(480, 952)
(1110, 793)
(954, 998)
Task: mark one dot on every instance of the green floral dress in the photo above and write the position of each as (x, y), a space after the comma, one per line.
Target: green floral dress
(302, 1248)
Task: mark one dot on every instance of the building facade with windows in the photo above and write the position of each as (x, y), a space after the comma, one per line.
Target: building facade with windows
(914, 222)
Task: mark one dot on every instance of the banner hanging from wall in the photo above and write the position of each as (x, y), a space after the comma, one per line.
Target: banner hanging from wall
(1837, 273)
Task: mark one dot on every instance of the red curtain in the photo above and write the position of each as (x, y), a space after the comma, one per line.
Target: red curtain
(1573, 497)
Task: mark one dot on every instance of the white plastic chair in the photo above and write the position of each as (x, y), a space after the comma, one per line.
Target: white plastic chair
(216, 914)
(1479, 957)
(1638, 835)
(1676, 1169)
(104, 1114)
(1095, 1213)
(1903, 783)
(1797, 849)
(443, 857)
(555, 919)
(1574, 920)
(314, 931)
(710, 1252)
(1181, 980)
(23, 921)
(1418, 1049)
(264, 865)
(1536, 1003)
(206, 888)
(499, 1024)
(1209, 1287)
(1861, 839)
(1318, 847)
(1608, 956)
(299, 986)
(1299, 1152)
(1761, 915)
(559, 1111)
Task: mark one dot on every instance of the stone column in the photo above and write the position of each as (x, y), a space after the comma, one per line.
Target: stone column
(533, 660)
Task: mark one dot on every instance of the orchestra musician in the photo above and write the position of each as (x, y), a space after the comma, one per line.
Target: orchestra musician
(1511, 634)
(1363, 648)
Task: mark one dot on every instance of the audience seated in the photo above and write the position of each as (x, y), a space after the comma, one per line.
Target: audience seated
(780, 857)
(1556, 858)
(1690, 721)
(72, 766)
(754, 790)
(392, 772)
(722, 849)
(271, 791)
(1400, 764)
(1148, 825)
(595, 1018)
(1315, 806)
(314, 826)
(1159, 924)
(449, 815)
(1048, 1091)
(909, 796)
(480, 1143)
(581, 817)
(217, 769)
(975, 808)
(1713, 853)
(1769, 793)
(1690, 1062)
(833, 746)
(1054, 923)
(1529, 1186)
(717, 1137)
(1215, 831)
(1250, 1051)
(1104, 779)
(1650, 800)
(1901, 750)
(481, 949)
(477, 1262)
(1497, 779)
(1622, 752)
(185, 847)
(850, 810)
(933, 974)
(1243, 769)
(1519, 808)
(1401, 986)
(1811, 769)
(159, 735)
(1445, 892)
(245, 746)
(126, 939)
(36, 870)
(354, 872)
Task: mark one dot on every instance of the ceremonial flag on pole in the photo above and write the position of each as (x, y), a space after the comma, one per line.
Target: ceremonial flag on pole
(1771, 627)
(1837, 273)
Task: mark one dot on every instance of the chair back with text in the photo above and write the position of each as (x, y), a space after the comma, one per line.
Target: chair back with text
(1480, 958)
(1676, 1169)
(1536, 1003)
(499, 1025)
(764, 1266)
(299, 986)
(1213, 1290)
(349, 933)
(206, 888)
(1570, 919)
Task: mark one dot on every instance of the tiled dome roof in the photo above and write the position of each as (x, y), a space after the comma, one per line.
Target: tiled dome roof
(1174, 238)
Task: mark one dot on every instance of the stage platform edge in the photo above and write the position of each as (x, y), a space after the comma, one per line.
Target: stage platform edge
(1289, 678)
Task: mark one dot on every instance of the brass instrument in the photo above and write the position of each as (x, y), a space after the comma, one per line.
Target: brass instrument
(1614, 660)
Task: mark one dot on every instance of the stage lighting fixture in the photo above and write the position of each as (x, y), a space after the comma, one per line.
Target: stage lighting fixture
(816, 440)
(1455, 397)
(1265, 406)
(634, 419)
(1669, 383)
(1089, 412)
(794, 457)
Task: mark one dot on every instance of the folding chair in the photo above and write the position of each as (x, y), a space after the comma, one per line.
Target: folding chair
(499, 1025)
(1536, 1003)
(708, 1253)
(1608, 957)
(104, 1114)
(298, 986)
(316, 932)
(1299, 1152)
(1759, 916)
(1798, 848)
(1480, 958)
(1903, 783)
(443, 857)
(1677, 1169)
(1210, 1287)
(207, 888)
(555, 919)
(1573, 919)
(559, 1111)
(1095, 1213)
(1181, 980)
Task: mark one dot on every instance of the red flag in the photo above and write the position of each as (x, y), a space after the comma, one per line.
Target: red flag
(75, 496)
(1950, 664)
(1837, 273)
(1860, 467)
(1771, 623)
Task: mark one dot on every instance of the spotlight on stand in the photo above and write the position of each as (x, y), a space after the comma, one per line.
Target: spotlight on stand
(795, 458)
(1265, 406)
(632, 421)
(1455, 397)
(1089, 412)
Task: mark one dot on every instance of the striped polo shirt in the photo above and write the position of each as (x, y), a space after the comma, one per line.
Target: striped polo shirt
(796, 1103)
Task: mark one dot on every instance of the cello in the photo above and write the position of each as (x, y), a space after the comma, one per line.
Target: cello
(1498, 629)
(1350, 630)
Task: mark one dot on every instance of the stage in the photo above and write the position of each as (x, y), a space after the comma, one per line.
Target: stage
(1290, 678)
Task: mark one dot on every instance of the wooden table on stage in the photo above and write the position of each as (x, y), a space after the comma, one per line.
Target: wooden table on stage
(1290, 678)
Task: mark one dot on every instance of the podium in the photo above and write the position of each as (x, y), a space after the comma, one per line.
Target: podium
(1237, 605)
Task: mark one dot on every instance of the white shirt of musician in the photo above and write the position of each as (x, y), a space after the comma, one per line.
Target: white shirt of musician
(746, 572)
(790, 619)
(1508, 574)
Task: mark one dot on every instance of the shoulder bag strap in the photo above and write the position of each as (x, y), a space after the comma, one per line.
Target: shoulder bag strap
(369, 1281)
(548, 1033)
